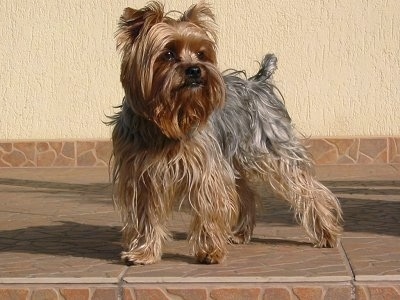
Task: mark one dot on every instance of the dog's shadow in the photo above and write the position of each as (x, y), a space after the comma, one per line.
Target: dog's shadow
(64, 239)
(370, 207)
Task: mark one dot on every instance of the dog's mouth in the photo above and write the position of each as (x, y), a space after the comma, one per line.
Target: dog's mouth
(193, 83)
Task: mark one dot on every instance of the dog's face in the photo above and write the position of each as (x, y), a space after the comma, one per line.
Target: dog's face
(169, 67)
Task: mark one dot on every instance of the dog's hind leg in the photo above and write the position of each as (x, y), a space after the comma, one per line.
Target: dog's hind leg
(243, 230)
(316, 207)
(285, 163)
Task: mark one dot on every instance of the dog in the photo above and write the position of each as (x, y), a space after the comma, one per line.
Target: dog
(187, 132)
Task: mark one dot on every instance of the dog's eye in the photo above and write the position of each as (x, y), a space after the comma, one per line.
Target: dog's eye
(201, 55)
(169, 56)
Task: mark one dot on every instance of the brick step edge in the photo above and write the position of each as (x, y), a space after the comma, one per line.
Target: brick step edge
(344, 290)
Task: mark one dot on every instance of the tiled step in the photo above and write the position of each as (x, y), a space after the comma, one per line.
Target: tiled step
(59, 239)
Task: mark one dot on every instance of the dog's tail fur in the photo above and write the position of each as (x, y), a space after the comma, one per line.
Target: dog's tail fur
(267, 68)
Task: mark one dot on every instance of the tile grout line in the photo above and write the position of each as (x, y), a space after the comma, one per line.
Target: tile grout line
(349, 269)
(121, 283)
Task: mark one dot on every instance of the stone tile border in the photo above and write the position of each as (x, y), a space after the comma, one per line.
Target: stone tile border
(91, 153)
(55, 154)
(299, 291)
(351, 151)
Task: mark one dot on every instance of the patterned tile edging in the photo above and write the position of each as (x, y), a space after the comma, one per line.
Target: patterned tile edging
(355, 151)
(325, 151)
(55, 154)
(315, 291)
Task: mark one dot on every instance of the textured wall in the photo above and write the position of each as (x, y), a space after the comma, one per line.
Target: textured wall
(339, 62)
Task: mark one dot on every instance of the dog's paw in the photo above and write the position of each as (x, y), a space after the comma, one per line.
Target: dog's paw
(327, 231)
(135, 258)
(216, 257)
(328, 240)
(240, 238)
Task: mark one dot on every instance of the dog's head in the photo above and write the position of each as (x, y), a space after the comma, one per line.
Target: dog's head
(169, 66)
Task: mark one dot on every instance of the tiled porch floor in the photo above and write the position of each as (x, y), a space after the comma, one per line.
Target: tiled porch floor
(59, 239)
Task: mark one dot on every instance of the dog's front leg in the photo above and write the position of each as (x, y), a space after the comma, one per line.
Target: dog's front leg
(208, 241)
(214, 204)
(144, 230)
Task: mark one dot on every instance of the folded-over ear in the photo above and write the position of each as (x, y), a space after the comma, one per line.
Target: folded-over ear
(201, 15)
(134, 23)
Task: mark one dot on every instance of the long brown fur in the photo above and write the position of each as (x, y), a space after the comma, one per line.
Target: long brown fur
(184, 132)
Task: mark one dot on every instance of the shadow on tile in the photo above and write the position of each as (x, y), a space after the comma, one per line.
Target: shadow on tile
(64, 239)
(56, 187)
(363, 213)
(368, 207)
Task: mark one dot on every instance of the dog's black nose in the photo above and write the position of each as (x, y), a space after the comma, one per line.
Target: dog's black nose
(193, 72)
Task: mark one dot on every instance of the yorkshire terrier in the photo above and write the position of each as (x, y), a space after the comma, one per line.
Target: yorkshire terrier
(186, 132)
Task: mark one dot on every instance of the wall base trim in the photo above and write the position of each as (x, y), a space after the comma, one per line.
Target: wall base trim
(96, 153)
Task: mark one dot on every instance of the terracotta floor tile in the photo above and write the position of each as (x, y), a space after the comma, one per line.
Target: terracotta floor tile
(375, 258)
(59, 226)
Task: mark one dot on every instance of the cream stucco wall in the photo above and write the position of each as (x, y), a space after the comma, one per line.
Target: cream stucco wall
(339, 62)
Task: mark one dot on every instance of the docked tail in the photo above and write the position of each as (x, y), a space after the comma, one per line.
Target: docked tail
(267, 68)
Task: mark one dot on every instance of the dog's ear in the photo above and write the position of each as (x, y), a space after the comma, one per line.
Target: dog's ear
(133, 23)
(201, 15)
